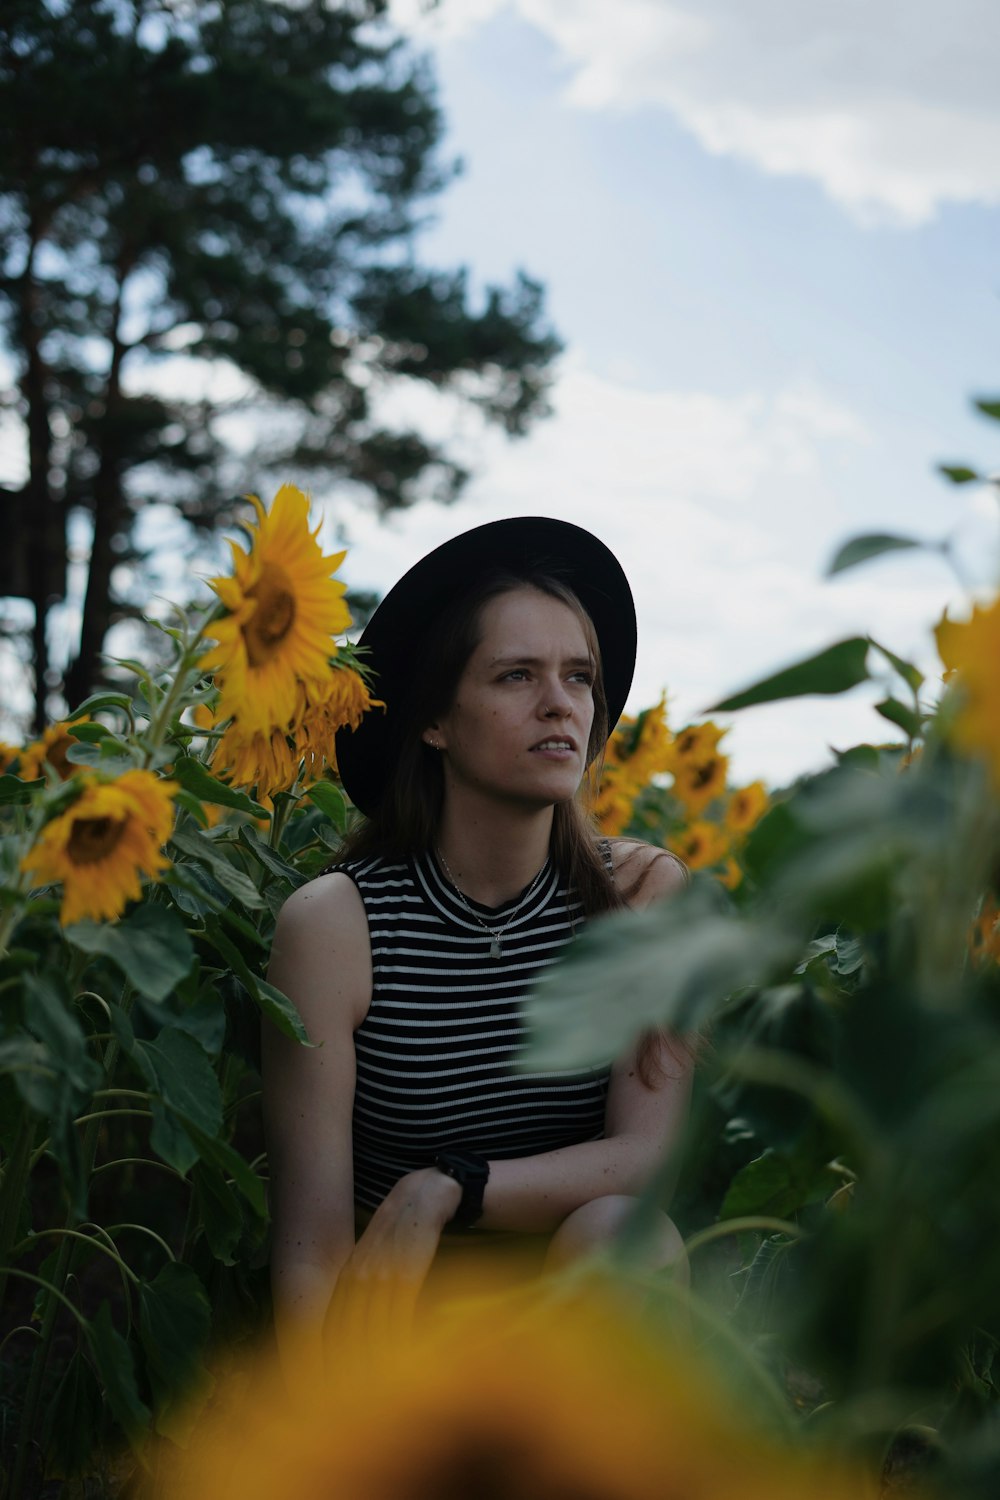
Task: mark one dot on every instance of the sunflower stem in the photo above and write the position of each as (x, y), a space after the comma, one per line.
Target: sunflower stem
(12, 1189)
(56, 1289)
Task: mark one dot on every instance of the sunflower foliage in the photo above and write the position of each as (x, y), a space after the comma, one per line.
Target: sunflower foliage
(147, 845)
(838, 1190)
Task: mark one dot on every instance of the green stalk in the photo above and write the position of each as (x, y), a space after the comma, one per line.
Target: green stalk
(56, 1289)
(12, 1190)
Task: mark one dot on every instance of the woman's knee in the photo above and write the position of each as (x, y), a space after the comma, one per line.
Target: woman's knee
(594, 1226)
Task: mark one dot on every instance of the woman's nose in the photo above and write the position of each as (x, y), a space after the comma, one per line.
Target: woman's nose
(556, 702)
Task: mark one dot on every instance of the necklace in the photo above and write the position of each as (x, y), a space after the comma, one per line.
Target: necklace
(494, 934)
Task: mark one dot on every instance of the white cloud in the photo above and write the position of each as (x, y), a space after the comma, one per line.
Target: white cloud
(723, 512)
(891, 105)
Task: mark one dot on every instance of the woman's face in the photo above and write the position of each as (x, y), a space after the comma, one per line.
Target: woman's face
(520, 722)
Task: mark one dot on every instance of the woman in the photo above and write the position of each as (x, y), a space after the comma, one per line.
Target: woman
(500, 657)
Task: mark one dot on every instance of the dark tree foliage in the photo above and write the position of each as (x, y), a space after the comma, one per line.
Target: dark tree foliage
(238, 182)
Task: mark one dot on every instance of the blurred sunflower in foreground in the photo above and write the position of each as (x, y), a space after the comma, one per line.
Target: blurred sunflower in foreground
(105, 841)
(281, 692)
(503, 1400)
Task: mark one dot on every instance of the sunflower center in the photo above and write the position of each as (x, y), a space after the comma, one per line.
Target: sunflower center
(93, 839)
(273, 618)
(704, 774)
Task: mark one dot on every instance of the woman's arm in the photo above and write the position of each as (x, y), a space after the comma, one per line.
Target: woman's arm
(642, 1122)
(321, 959)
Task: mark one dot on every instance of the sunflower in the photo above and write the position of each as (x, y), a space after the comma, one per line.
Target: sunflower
(696, 744)
(639, 749)
(697, 783)
(700, 845)
(572, 1400)
(970, 651)
(284, 610)
(341, 703)
(270, 762)
(746, 806)
(51, 750)
(110, 836)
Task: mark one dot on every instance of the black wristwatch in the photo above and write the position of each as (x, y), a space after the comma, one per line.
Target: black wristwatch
(471, 1171)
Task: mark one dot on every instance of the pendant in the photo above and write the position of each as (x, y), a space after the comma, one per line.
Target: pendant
(495, 948)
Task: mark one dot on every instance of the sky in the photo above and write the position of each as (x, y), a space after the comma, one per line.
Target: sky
(768, 230)
(769, 233)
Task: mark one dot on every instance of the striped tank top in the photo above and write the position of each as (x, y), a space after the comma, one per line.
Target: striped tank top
(437, 1053)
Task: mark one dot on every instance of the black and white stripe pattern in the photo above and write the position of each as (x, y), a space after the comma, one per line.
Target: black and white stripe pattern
(437, 1052)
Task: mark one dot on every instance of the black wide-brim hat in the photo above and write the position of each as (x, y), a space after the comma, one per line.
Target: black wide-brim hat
(394, 636)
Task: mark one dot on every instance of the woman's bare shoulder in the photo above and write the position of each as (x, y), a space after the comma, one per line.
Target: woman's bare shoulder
(326, 898)
(647, 872)
(325, 917)
(321, 952)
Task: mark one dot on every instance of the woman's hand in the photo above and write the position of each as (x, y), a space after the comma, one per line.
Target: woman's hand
(377, 1289)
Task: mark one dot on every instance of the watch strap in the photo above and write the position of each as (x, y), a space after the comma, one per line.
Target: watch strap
(471, 1171)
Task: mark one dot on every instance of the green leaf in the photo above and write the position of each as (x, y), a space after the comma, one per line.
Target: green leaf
(182, 1076)
(14, 790)
(280, 1011)
(958, 473)
(49, 1016)
(782, 1182)
(276, 1006)
(205, 1020)
(73, 1419)
(174, 1323)
(96, 702)
(910, 674)
(104, 754)
(208, 852)
(331, 802)
(850, 955)
(269, 858)
(989, 407)
(861, 548)
(91, 734)
(669, 966)
(28, 1063)
(834, 670)
(195, 777)
(226, 1159)
(219, 1212)
(112, 1357)
(899, 714)
(151, 946)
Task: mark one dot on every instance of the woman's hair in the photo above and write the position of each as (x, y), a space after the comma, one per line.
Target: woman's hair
(408, 816)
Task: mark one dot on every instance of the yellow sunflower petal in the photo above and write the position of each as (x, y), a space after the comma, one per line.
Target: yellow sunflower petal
(103, 844)
(573, 1398)
(971, 650)
(746, 806)
(699, 782)
(285, 610)
(51, 750)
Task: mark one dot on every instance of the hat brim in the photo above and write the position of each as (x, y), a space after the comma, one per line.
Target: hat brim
(522, 545)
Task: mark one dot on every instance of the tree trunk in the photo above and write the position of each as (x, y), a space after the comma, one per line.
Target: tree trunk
(43, 517)
(83, 674)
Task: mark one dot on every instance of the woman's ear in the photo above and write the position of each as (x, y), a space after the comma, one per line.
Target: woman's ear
(432, 736)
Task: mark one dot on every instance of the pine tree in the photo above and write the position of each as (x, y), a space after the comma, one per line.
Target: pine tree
(239, 182)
